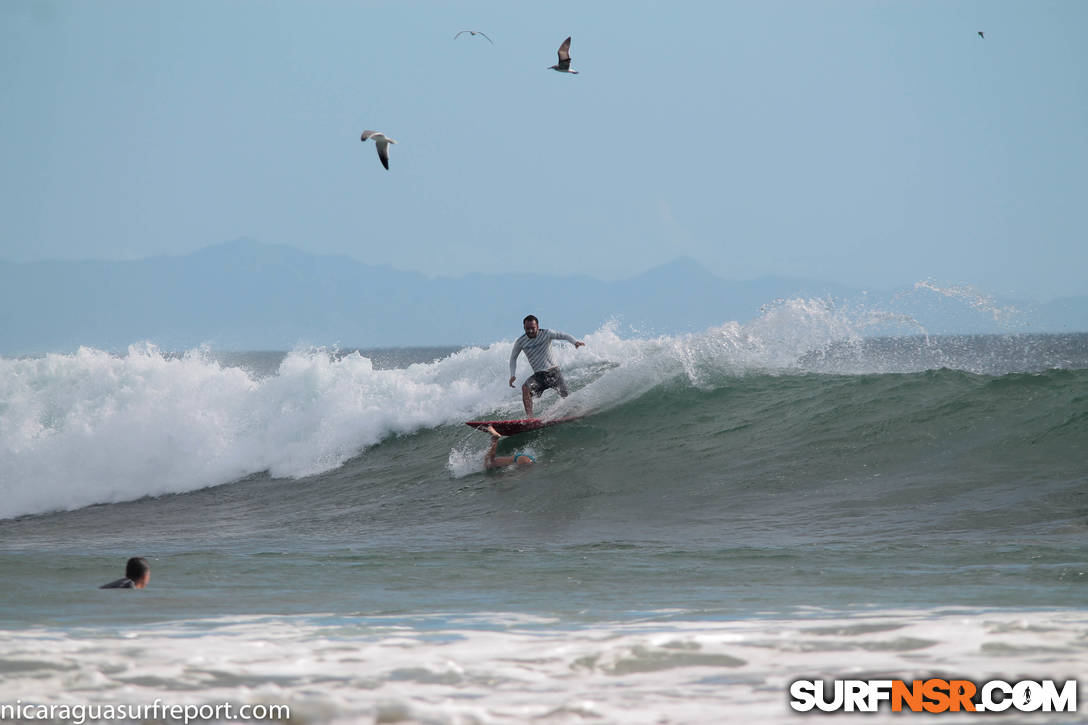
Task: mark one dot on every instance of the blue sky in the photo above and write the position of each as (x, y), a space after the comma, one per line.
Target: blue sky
(868, 143)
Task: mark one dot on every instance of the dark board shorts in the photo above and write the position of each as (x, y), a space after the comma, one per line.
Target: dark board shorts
(539, 382)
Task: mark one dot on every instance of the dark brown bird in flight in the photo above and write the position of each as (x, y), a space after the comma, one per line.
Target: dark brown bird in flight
(563, 66)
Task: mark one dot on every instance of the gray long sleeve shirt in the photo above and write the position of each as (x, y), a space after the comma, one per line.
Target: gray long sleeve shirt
(538, 349)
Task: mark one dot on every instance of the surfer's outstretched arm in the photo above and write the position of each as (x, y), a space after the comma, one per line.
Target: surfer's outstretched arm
(514, 361)
(569, 338)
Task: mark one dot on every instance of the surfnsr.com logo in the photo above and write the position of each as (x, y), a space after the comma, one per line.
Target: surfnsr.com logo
(933, 695)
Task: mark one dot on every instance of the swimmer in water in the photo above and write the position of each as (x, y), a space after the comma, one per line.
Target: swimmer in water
(137, 575)
(493, 461)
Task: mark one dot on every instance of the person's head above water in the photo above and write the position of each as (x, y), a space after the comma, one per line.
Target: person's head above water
(139, 571)
(137, 575)
(531, 325)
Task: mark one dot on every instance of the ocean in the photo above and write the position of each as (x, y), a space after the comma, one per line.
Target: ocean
(734, 510)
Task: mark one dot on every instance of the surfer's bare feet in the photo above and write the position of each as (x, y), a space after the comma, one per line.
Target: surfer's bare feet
(494, 433)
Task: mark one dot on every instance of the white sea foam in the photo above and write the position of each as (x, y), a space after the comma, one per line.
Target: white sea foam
(972, 298)
(506, 668)
(94, 427)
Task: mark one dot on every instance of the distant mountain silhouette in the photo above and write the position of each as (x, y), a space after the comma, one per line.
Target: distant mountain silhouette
(248, 295)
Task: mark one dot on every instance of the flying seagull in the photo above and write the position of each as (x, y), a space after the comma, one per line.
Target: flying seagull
(563, 66)
(981, 35)
(475, 32)
(382, 142)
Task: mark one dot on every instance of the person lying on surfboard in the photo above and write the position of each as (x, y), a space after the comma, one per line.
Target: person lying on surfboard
(493, 461)
(537, 346)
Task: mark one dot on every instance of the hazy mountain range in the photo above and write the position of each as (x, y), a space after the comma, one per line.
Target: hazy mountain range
(245, 295)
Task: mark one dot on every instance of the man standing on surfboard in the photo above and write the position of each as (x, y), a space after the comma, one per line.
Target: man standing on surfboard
(537, 346)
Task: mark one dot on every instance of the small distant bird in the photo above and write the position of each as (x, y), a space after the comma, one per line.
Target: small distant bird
(475, 32)
(563, 66)
(981, 35)
(382, 142)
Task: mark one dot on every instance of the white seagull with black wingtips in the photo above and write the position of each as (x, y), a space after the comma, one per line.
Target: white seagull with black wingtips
(382, 142)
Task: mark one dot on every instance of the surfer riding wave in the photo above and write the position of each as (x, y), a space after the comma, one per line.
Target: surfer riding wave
(536, 343)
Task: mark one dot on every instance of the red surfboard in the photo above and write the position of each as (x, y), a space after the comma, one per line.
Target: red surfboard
(512, 427)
